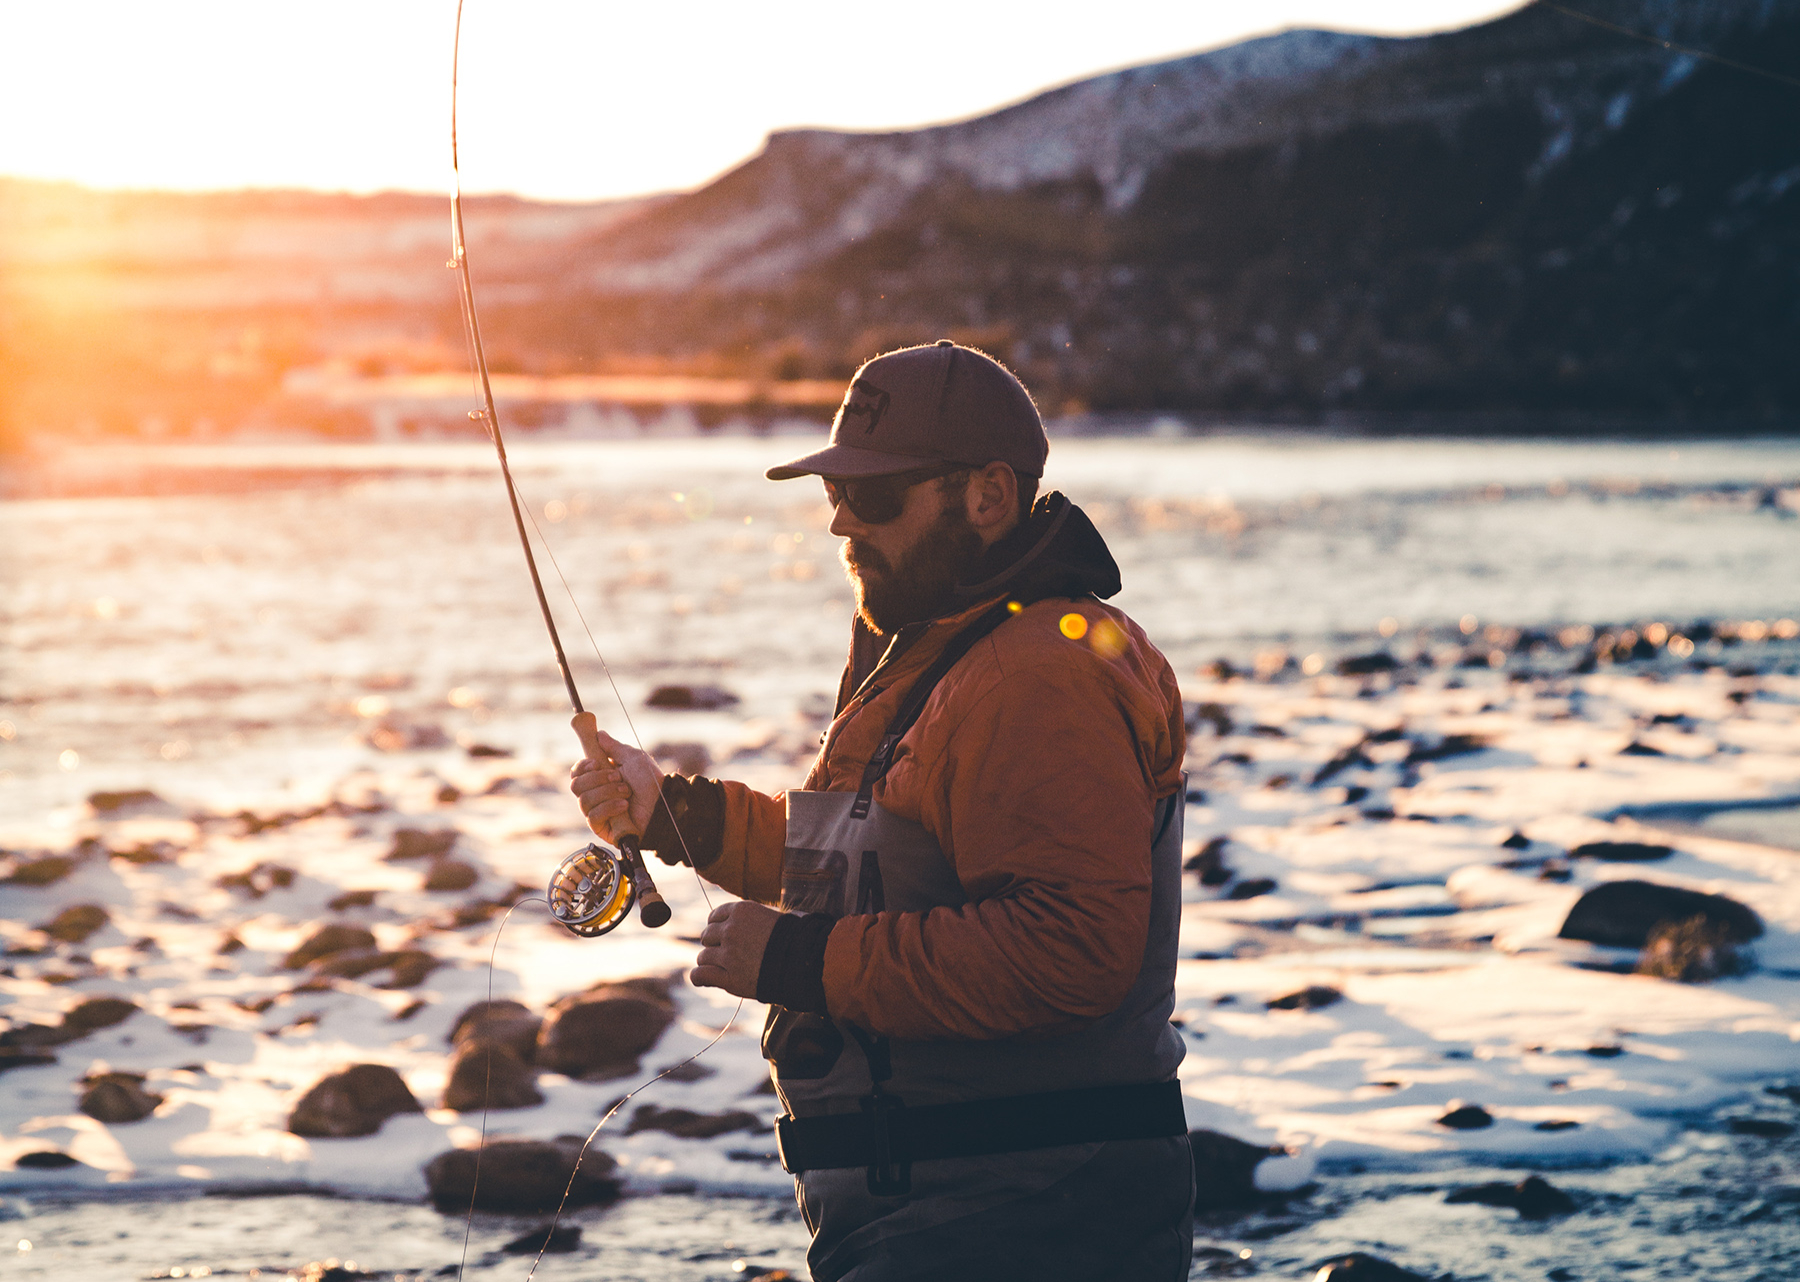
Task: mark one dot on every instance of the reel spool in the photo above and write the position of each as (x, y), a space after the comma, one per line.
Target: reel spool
(593, 889)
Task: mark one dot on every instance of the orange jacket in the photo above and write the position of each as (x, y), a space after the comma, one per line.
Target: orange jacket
(1036, 765)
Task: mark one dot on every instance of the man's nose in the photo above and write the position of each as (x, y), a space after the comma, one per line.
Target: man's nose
(844, 522)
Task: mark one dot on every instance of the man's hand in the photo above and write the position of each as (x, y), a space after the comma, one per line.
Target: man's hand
(735, 938)
(617, 795)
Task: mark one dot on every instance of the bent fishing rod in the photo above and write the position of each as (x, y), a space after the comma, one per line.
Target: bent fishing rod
(593, 889)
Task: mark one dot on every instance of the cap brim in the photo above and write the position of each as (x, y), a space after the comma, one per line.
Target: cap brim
(846, 460)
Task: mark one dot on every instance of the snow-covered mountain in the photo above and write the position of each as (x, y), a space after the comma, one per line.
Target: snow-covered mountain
(1477, 219)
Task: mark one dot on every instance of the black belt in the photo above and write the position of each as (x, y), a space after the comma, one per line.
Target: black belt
(888, 1135)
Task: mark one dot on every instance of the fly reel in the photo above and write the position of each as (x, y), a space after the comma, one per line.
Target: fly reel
(593, 890)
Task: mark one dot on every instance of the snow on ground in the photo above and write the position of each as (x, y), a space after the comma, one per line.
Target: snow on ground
(1441, 940)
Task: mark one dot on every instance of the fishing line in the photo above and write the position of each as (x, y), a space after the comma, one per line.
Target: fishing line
(1672, 46)
(629, 852)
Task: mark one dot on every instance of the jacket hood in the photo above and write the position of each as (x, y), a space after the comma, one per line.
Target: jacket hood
(1054, 552)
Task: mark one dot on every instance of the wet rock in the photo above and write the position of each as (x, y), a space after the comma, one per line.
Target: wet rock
(1313, 997)
(507, 1022)
(1363, 665)
(1533, 1197)
(352, 899)
(1451, 745)
(39, 872)
(332, 938)
(487, 750)
(601, 1033)
(1786, 1091)
(1349, 757)
(546, 1239)
(96, 1013)
(1216, 715)
(115, 805)
(521, 1176)
(44, 1160)
(117, 1098)
(451, 875)
(1518, 841)
(229, 943)
(1209, 863)
(1359, 1266)
(1622, 914)
(409, 965)
(689, 1125)
(1557, 1124)
(1768, 1128)
(25, 1057)
(1225, 1170)
(1251, 888)
(692, 698)
(1693, 952)
(354, 1102)
(1621, 851)
(1467, 1117)
(76, 923)
(492, 1075)
(417, 843)
(259, 879)
(682, 758)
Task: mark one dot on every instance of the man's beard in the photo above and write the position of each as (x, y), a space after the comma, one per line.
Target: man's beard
(888, 597)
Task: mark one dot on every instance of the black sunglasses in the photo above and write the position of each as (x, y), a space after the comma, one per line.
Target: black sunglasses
(876, 500)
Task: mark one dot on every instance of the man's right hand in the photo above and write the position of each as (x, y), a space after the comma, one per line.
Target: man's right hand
(617, 795)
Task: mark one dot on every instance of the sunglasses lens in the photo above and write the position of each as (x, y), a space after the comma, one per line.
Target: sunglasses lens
(873, 500)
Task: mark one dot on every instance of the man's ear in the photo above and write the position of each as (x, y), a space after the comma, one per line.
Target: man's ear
(992, 499)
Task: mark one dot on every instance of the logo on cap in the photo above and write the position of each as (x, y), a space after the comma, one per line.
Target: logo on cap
(864, 400)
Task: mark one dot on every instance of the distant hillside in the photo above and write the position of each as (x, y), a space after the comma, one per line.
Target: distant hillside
(1534, 213)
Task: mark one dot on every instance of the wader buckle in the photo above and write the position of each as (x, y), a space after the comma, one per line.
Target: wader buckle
(887, 1178)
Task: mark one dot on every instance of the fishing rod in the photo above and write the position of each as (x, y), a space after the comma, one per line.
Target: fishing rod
(593, 889)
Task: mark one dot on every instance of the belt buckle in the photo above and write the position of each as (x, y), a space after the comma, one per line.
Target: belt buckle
(887, 1178)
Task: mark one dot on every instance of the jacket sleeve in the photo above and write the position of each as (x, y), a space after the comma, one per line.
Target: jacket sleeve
(749, 862)
(1043, 799)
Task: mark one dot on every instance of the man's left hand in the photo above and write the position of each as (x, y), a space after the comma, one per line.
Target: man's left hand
(735, 939)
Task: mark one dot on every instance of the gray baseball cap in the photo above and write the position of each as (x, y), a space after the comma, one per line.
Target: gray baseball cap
(940, 403)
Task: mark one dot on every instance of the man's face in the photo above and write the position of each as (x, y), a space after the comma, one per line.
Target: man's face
(903, 570)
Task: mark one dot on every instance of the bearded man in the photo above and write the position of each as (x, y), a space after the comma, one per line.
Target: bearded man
(965, 924)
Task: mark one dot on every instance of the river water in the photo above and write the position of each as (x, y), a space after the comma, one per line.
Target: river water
(230, 636)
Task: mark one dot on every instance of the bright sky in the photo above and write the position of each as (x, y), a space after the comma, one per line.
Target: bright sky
(561, 99)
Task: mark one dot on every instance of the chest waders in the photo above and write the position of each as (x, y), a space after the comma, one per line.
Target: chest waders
(874, 1124)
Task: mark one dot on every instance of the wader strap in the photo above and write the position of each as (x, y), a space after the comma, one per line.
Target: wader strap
(977, 1128)
(914, 703)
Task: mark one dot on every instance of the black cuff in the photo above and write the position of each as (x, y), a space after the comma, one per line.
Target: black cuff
(793, 963)
(688, 825)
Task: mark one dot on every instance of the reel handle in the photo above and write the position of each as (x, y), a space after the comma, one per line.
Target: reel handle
(653, 910)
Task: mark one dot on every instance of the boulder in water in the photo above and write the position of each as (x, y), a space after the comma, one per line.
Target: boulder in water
(1466, 1117)
(354, 1102)
(486, 1074)
(1313, 997)
(1225, 1170)
(1622, 914)
(96, 1013)
(507, 1022)
(1622, 852)
(546, 1239)
(1533, 1197)
(118, 1097)
(694, 698)
(451, 874)
(417, 843)
(76, 923)
(1359, 1266)
(328, 939)
(521, 1176)
(601, 1033)
(689, 1125)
